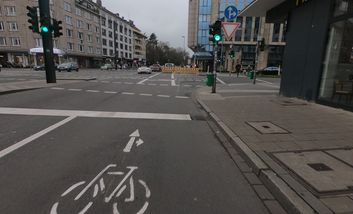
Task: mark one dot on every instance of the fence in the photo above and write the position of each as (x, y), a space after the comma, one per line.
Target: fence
(181, 70)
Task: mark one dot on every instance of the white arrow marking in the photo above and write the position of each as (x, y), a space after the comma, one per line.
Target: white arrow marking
(131, 142)
(139, 142)
(135, 133)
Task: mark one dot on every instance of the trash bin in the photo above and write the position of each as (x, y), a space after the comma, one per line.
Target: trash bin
(210, 80)
(251, 75)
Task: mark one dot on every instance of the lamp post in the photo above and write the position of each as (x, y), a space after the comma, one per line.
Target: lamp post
(184, 49)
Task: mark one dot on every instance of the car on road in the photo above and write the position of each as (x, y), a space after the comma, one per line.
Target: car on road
(169, 65)
(107, 67)
(69, 66)
(156, 68)
(39, 67)
(144, 70)
(270, 70)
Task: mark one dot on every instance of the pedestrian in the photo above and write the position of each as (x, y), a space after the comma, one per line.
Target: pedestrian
(238, 69)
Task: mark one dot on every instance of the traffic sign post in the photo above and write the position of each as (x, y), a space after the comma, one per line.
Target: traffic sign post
(230, 28)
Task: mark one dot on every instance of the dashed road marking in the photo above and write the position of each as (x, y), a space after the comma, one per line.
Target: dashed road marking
(74, 89)
(92, 91)
(181, 97)
(110, 92)
(58, 88)
(163, 96)
(128, 93)
(147, 95)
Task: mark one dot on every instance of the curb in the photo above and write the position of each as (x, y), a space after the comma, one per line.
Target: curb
(292, 202)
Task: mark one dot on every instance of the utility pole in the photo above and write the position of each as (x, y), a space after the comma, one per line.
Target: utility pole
(47, 37)
(214, 86)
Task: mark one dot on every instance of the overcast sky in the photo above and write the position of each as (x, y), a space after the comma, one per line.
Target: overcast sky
(168, 19)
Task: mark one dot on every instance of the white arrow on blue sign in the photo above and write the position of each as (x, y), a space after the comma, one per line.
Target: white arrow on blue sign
(231, 13)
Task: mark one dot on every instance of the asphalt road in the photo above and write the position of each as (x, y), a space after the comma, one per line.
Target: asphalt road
(124, 143)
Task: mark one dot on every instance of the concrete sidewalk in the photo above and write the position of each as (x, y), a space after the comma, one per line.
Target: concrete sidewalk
(302, 151)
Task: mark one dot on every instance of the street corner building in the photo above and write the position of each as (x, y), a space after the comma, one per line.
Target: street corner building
(203, 13)
(318, 57)
(92, 35)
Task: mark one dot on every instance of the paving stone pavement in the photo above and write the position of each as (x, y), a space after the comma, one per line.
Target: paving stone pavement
(316, 151)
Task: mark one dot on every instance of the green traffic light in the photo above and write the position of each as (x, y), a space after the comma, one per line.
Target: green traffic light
(217, 38)
(44, 29)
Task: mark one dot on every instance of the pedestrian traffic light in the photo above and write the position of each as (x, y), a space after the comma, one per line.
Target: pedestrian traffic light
(33, 19)
(57, 28)
(217, 31)
(232, 54)
(45, 25)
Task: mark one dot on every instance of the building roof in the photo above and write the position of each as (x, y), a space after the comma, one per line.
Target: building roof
(260, 7)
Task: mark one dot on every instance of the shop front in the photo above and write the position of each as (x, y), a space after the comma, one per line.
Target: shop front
(318, 57)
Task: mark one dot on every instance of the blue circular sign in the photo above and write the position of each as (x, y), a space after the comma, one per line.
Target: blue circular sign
(231, 13)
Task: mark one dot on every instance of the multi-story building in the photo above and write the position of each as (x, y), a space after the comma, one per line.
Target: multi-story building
(202, 13)
(139, 46)
(91, 34)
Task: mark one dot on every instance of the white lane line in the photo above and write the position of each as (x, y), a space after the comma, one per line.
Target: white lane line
(18, 145)
(127, 93)
(142, 81)
(265, 81)
(173, 80)
(92, 91)
(110, 92)
(152, 84)
(221, 81)
(181, 97)
(74, 89)
(58, 88)
(105, 82)
(117, 82)
(128, 83)
(93, 114)
(147, 95)
(187, 85)
(164, 96)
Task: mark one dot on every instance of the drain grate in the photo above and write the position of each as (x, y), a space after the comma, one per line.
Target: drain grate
(320, 167)
(267, 128)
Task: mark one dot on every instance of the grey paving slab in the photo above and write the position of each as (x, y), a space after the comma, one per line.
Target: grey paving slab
(344, 155)
(323, 172)
(339, 204)
(263, 193)
(274, 207)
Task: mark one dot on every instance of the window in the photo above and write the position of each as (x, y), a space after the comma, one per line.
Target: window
(10, 10)
(2, 26)
(105, 51)
(276, 31)
(104, 41)
(130, 48)
(337, 77)
(68, 20)
(90, 49)
(69, 33)
(96, 19)
(121, 38)
(97, 29)
(248, 27)
(78, 11)
(80, 48)
(98, 51)
(98, 40)
(79, 24)
(111, 52)
(80, 35)
(15, 41)
(111, 44)
(88, 16)
(2, 41)
(121, 46)
(129, 32)
(121, 28)
(70, 46)
(89, 38)
(104, 20)
(130, 41)
(110, 34)
(110, 24)
(125, 47)
(130, 56)
(13, 26)
(39, 43)
(89, 27)
(104, 32)
(67, 6)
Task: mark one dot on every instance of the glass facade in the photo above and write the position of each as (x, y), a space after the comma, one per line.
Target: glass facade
(337, 78)
(205, 10)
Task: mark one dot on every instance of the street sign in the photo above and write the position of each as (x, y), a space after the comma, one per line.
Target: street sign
(230, 28)
(231, 13)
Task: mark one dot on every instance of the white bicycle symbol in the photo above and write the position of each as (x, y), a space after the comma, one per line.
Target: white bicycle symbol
(97, 188)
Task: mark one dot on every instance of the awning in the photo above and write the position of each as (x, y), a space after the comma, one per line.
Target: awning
(203, 55)
(260, 7)
(40, 50)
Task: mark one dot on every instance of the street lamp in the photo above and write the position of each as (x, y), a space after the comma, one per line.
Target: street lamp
(184, 49)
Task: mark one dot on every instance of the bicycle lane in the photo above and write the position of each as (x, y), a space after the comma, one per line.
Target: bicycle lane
(172, 166)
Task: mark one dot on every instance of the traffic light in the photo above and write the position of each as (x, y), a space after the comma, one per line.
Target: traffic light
(217, 31)
(211, 33)
(57, 28)
(45, 25)
(33, 19)
(232, 54)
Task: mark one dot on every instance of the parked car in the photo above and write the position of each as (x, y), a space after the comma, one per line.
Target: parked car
(156, 68)
(144, 70)
(169, 65)
(107, 67)
(70, 66)
(270, 70)
(39, 67)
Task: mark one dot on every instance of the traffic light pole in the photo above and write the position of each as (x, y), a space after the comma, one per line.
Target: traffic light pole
(215, 68)
(47, 43)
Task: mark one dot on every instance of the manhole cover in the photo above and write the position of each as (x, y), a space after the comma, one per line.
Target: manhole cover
(324, 173)
(267, 128)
